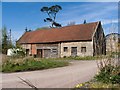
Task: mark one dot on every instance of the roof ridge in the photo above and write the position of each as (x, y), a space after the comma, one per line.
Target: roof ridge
(66, 26)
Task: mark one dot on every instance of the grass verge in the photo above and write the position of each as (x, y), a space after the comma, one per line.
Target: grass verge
(76, 58)
(30, 65)
(95, 84)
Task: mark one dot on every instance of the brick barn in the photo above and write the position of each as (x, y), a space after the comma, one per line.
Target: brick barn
(76, 40)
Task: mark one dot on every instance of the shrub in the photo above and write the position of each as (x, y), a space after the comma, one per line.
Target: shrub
(109, 74)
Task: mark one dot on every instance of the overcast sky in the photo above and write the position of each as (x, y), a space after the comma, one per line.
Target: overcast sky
(18, 15)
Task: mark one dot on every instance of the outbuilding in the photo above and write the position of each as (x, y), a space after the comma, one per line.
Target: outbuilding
(77, 40)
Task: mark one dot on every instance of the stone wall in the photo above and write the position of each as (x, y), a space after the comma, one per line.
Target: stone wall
(46, 46)
(99, 43)
(112, 43)
(49, 50)
(87, 44)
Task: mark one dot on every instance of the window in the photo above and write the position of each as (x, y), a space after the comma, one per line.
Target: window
(65, 49)
(54, 50)
(83, 49)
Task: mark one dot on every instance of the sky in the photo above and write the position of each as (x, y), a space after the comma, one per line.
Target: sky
(60, 0)
(19, 15)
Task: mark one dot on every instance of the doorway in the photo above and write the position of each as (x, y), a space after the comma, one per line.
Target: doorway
(73, 51)
(47, 53)
(27, 52)
(40, 53)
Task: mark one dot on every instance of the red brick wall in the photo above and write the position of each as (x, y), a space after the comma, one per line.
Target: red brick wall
(33, 49)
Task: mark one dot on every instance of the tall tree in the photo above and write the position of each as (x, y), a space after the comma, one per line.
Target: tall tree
(0, 35)
(52, 12)
(6, 41)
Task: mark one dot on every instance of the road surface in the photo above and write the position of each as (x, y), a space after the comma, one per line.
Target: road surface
(63, 77)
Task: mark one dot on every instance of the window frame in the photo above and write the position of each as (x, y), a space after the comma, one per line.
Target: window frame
(54, 50)
(65, 49)
(83, 49)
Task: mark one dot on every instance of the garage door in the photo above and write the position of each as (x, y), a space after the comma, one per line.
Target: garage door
(47, 53)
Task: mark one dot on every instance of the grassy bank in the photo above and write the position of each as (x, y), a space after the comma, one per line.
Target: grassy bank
(31, 64)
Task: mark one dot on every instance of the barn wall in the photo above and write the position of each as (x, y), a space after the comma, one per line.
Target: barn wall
(46, 46)
(27, 47)
(87, 44)
(99, 43)
(44, 50)
(48, 50)
(57, 50)
(33, 49)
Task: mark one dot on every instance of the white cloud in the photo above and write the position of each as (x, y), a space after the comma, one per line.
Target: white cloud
(90, 12)
(109, 21)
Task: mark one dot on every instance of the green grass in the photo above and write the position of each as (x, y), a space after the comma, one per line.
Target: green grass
(13, 64)
(77, 58)
(95, 84)
(109, 74)
(84, 58)
(30, 65)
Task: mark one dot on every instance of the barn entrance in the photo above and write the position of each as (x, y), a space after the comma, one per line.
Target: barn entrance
(73, 51)
(40, 53)
(47, 53)
(27, 52)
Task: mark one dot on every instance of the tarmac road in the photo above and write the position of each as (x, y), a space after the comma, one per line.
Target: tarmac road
(62, 77)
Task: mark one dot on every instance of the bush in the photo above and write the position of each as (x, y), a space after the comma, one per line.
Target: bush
(109, 74)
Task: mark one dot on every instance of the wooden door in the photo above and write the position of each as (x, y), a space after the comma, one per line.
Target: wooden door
(39, 53)
(47, 53)
(27, 52)
(73, 51)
